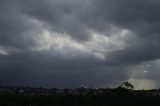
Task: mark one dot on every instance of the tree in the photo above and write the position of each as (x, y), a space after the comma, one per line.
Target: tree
(127, 85)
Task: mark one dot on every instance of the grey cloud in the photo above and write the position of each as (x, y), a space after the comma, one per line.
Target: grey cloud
(142, 18)
(16, 30)
(54, 70)
(22, 21)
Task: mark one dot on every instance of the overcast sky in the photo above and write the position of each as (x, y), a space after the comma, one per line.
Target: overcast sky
(74, 43)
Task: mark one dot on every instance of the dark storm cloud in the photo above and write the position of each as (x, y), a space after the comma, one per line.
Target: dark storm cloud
(142, 18)
(54, 70)
(16, 30)
(23, 21)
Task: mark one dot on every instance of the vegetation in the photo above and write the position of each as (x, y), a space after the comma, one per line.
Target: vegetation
(123, 95)
(127, 85)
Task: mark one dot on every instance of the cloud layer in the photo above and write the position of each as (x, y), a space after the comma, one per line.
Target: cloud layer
(69, 43)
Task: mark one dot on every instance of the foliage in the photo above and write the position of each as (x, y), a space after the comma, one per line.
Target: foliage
(28, 96)
(127, 85)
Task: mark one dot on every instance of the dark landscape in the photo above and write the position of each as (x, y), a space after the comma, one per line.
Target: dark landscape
(79, 52)
(120, 96)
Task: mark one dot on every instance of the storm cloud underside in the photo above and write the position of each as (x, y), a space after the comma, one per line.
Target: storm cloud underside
(70, 43)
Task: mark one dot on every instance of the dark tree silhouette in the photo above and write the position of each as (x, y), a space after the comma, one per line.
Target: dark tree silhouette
(127, 85)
